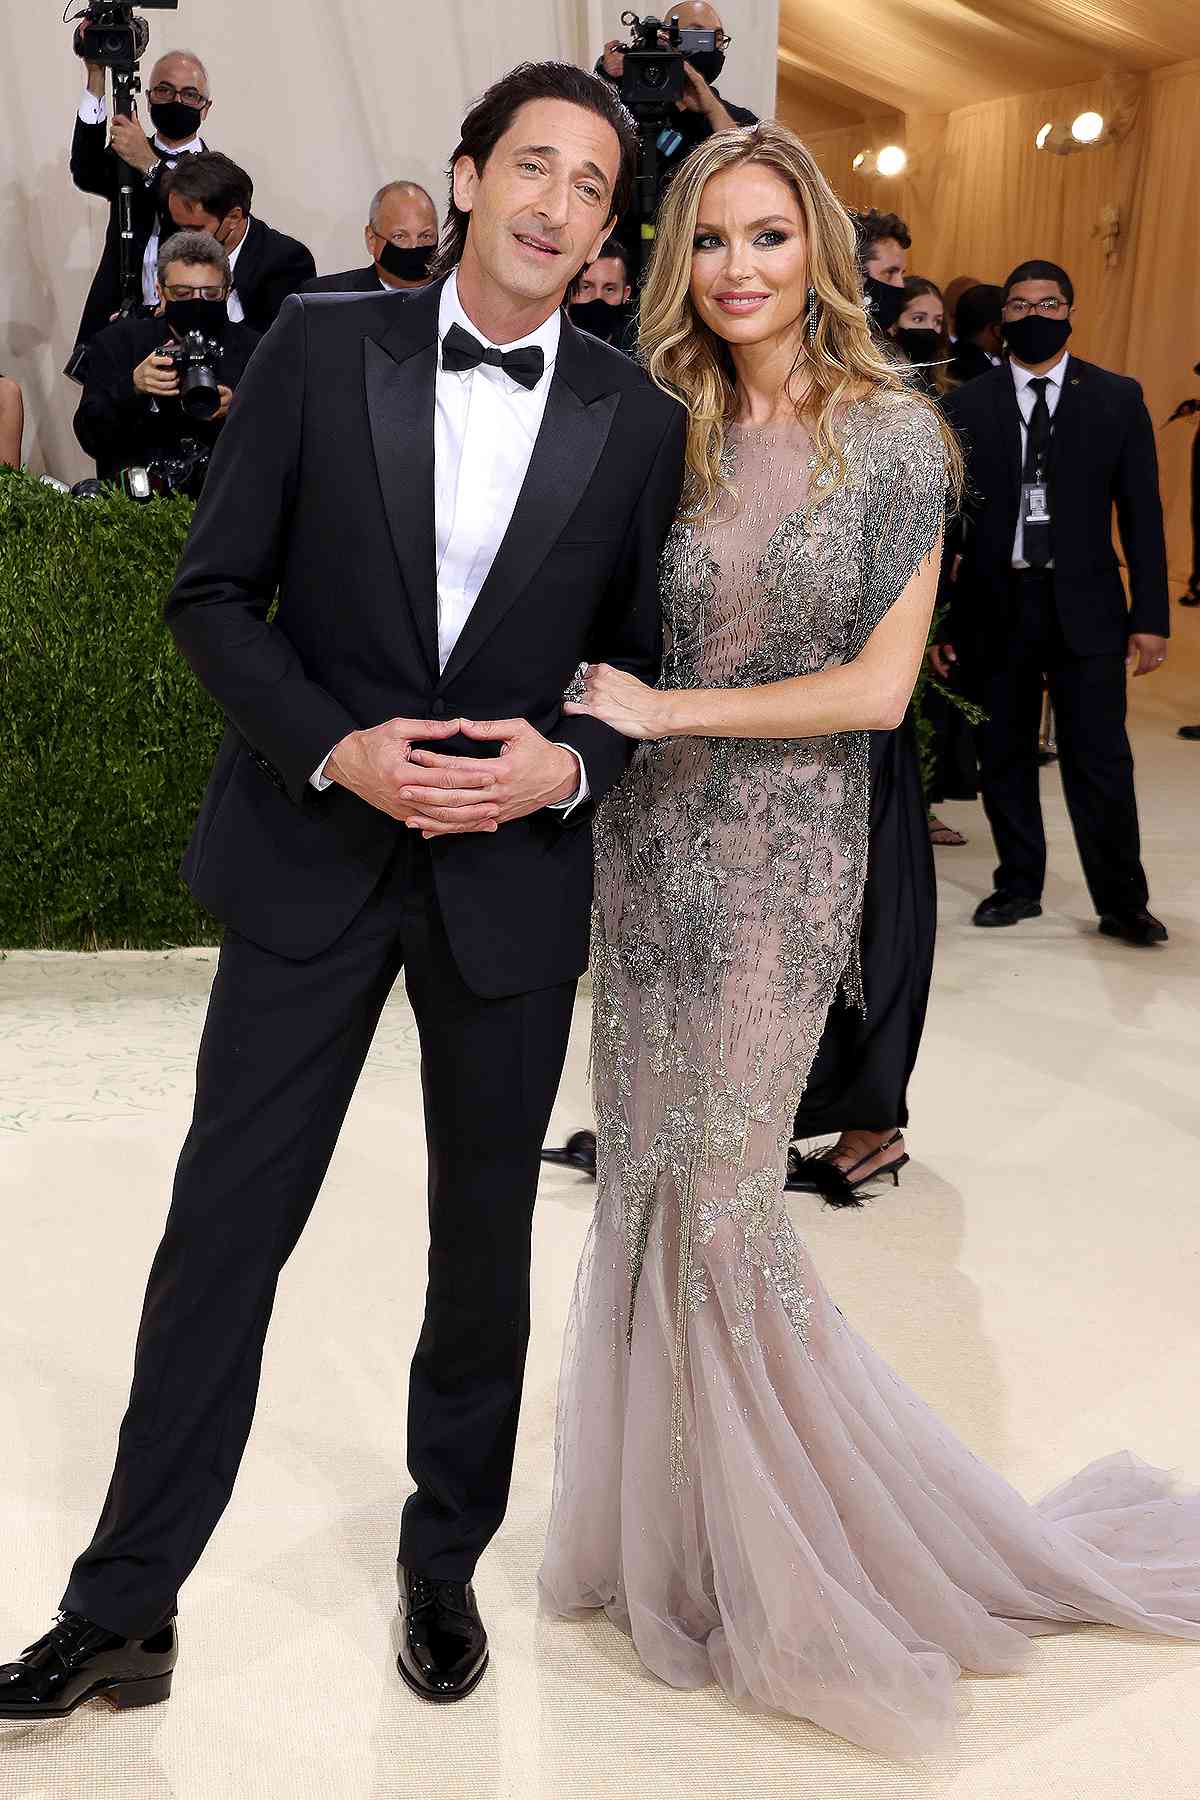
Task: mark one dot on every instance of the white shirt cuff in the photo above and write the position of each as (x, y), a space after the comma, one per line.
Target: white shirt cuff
(92, 110)
(567, 807)
(319, 779)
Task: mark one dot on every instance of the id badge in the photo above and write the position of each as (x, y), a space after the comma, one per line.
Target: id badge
(1035, 503)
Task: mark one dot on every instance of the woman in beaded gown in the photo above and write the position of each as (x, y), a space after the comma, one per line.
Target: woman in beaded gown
(741, 1482)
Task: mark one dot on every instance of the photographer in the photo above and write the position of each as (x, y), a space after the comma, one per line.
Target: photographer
(211, 193)
(700, 112)
(131, 415)
(401, 236)
(179, 103)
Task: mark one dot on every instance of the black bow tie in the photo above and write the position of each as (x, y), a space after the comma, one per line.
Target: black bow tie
(462, 351)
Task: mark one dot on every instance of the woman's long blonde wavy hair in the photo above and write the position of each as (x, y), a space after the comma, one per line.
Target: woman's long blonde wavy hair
(838, 363)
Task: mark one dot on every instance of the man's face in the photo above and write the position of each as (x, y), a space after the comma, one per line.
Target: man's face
(189, 215)
(185, 76)
(1044, 299)
(192, 281)
(605, 280)
(543, 203)
(694, 15)
(885, 261)
(406, 220)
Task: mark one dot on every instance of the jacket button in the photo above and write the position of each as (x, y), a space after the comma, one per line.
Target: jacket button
(438, 709)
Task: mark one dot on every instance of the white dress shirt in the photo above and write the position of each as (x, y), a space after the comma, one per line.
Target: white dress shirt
(1026, 401)
(93, 110)
(233, 305)
(485, 426)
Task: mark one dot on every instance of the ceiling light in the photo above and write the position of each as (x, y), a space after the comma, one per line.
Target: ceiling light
(891, 160)
(1087, 127)
(1043, 134)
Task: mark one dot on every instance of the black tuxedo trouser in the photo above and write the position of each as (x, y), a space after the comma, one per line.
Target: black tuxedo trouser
(1094, 758)
(283, 1046)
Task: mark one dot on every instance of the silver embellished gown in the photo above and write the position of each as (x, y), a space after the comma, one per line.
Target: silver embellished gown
(740, 1481)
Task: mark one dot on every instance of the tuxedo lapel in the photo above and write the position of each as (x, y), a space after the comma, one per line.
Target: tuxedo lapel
(399, 371)
(1067, 435)
(579, 413)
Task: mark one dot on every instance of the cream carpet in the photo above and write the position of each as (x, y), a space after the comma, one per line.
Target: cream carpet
(1035, 1277)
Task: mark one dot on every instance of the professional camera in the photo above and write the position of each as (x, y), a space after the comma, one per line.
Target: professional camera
(179, 471)
(195, 359)
(653, 78)
(110, 33)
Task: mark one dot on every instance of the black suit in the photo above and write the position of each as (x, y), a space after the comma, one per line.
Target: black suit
(351, 281)
(1069, 625)
(323, 486)
(97, 169)
(969, 362)
(270, 266)
(118, 425)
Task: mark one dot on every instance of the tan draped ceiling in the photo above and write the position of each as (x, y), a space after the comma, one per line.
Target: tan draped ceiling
(964, 89)
(841, 60)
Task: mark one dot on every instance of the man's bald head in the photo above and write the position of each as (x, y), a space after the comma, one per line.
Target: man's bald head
(182, 68)
(695, 15)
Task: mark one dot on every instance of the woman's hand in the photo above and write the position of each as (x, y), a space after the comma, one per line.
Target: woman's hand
(622, 701)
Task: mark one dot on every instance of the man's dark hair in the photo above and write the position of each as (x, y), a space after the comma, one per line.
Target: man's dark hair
(871, 227)
(212, 181)
(611, 247)
(490, 118)
(195, 250)
(978, 307)
(1037, 270)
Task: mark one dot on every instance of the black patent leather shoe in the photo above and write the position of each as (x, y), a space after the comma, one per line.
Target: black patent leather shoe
(1190, 731)
(443, 1646)
(77, 1661)
(1006, 909)
(1140, 928)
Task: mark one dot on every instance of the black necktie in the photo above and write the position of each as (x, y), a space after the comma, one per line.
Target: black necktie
(462, 351)
(1037, 459)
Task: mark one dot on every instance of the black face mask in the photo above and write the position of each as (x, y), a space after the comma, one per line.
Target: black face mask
(1036, 339)
(602, 320)
(406, 265)
(208, 316)
(885, 303)
(708, 63)
(175, 121)
(918, 342)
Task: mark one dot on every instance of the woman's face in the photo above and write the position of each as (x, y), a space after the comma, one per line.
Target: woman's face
(924, 312)
(749, 256)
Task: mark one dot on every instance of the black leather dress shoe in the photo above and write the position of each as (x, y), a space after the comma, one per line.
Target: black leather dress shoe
(443, 1646)
(1006, 909)
(77, 1661)
(1139, 928)
(1190, 731)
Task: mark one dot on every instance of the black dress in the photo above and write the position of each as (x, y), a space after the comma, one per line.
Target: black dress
(859, 1080)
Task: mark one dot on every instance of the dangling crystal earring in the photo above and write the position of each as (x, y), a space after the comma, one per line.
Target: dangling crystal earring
(812, 315)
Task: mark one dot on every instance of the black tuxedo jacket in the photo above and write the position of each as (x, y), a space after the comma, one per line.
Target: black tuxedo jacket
(97, 169)
(1102, 456)
(969, 362)
(322, 487)
(270, 266)
(115, 423)
(351, 281)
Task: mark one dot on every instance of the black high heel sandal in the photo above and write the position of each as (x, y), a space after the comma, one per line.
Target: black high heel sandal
(579, 1153)
(819, 1175)
(1192, 596)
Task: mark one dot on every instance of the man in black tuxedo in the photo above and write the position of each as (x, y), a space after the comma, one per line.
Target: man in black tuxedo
(1053, 444)
(459, 499)
(212, 193)
(977, 341)
(401, 236)
(130, 413)
(180, 101)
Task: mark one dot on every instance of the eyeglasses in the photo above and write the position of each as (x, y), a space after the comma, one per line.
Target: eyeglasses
(162, 93)
(429, 238)
(1050, 309)
(173, 291)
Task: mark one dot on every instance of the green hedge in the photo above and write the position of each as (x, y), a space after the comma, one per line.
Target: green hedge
(106, 738)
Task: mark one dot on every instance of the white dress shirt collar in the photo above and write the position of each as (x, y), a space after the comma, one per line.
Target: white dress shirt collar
(194, 148)
(451, 311)
(1055, 376)
(234, 254)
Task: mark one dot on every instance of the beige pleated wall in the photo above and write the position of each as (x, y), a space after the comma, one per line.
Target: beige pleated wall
(321, 101)
(979, 198)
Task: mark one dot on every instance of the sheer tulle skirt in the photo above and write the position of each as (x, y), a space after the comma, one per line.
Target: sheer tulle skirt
(835, 1552)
